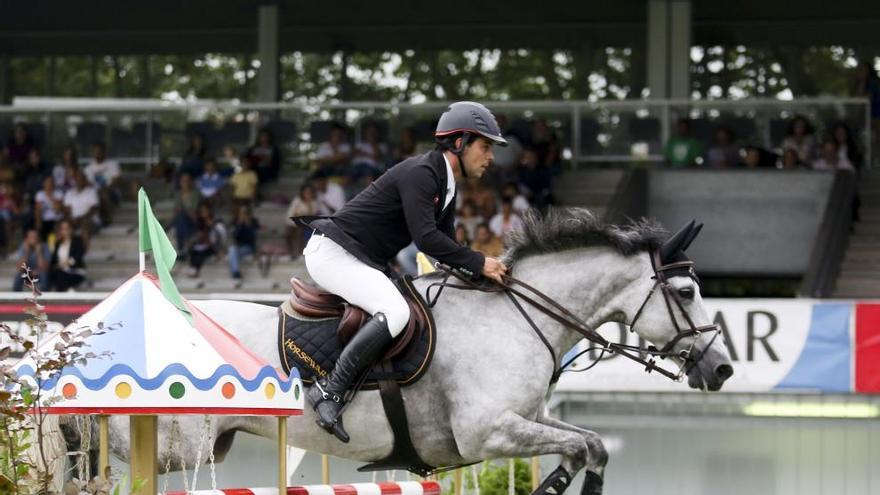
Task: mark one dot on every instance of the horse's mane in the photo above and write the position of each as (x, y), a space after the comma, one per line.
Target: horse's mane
(568, 228)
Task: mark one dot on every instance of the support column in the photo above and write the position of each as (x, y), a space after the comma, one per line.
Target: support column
(146, 81)
(658, 48)
(268, 29)
(680, 26)
(5, 80)
(669, 48)
(144, 451)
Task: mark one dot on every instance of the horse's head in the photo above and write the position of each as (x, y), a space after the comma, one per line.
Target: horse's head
(672, 316)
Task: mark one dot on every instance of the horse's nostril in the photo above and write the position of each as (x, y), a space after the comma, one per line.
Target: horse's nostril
(724, 371)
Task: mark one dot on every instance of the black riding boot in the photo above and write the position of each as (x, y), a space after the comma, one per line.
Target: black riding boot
(361, 352)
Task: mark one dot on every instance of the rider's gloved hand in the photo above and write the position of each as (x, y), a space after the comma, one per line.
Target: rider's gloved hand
(494, 269)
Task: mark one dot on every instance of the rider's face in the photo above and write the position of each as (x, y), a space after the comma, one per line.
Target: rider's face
(477, 157)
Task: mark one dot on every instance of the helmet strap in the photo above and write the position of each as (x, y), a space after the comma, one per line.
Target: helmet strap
(457, 151)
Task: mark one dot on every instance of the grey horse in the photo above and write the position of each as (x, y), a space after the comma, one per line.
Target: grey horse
(485, 394)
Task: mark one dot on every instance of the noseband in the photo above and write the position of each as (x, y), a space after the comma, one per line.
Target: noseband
(517, 290)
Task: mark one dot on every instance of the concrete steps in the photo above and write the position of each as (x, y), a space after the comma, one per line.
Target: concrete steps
(860, 270)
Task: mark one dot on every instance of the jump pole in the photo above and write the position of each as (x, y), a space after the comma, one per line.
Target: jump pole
(103, 449)
(144, 452)
(282, 455)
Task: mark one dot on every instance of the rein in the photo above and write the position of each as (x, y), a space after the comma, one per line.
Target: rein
(517, 290)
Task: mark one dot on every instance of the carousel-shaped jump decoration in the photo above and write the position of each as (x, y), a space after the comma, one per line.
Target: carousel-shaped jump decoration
(167, 357)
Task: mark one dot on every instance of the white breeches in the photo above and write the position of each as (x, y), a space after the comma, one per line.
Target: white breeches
(338, 271)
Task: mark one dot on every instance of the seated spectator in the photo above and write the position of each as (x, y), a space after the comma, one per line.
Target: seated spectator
(231, 160)
(846, 144)
(790, 160)
(304, 204)
(330, 195)
(486, 242)
(244, 240)
(209, 240)
(800, 139)
(469, 218)
(484, 199)
(33, 172)
(211, 183)
(186, 211)
(82, 204)
(723, 153)
(370, 154)
(334, 156)
(461, 235)
(19, 146)
(505, 220)
(48, 208)
(520, 203)
(546, 145)
(757, 157)
(244, 185)
(405, 147)
(193, 161)
(831, 159)
(64, 172)
(265, 156)
(535, 179)
(9, 213)
(67, 268)
(682, 150)
(34, 254)
(105, 175)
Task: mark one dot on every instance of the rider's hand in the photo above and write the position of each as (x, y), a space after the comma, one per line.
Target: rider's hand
(494, 269)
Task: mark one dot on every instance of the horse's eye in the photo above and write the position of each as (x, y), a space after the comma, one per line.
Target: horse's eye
(686, 292)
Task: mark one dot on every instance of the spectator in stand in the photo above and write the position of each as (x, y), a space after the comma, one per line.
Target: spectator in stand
(33, 172)
(265, 156)
(211, 183)
(244, 240)
(82, 204)
(305, 204)
(723, 153)
(34, 254)
(520, 202)
(846, 144)
(9, 213)
(406, 146)
(330, 195)
(65, 171)
(209, 240)
(370, 154)
(68, 267)
(505, 220)
(19, 146)
(244, 185)
(232, 161)
(546, 145)
(483, 198)
(334, 155)
(186, 211)
(800, 139)
(757, 157)
(486, 242)
(503, 167)
(193, 161)
(461, 235)
(469, 218)
(48, 208)
(105, 175)
(831, 159)
(682, 150)
(790, 160)
(868, 86)
(535, 179)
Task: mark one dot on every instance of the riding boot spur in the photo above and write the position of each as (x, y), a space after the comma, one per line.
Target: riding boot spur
(361, 352)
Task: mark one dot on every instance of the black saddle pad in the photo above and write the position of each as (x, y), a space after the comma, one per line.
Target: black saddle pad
(312, 346)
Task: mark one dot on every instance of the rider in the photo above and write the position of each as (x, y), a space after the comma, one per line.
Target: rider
(413, 202)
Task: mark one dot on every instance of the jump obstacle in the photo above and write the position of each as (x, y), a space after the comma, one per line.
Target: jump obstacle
(387, 488)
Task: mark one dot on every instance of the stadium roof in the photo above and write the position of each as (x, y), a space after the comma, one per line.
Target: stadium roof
(107, 27)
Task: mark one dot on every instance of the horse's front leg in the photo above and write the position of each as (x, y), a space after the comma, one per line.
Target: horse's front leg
(596, 461)
(511, 435)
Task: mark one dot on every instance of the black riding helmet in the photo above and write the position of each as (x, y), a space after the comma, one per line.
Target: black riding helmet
(467, 119)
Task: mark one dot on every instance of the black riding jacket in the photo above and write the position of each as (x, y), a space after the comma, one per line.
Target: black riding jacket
(403, 205)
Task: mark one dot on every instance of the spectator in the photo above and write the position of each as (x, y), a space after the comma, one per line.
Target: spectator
(68, 268)
(265, 157)
(505, 220)
(244, 240)
(330, 195)
(64, 172)
(846, 144)
(469, 218)
(800, 139)
(503, 167)
(104, 174)
(244, 185)
(33, 172)
(486, 242)
(461, 235)
(406, 145)
(232, 160)
(868, 85)
(483, 198)
(723, 153)
(48, 208)
(334, 155)
(304, 204)
(790, 160)
(9, 212)
(34, 254)
(193, 161)
(546, 145)
(370, 154)
(211, 183)
(757, 157)
(535, 179)
(520, 203)
(682, 150)
(208, 241)
(831, 159)
(186, 211)
(81, 204)
(19, 146)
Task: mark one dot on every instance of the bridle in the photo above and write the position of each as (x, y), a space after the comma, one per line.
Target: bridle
(516, 290)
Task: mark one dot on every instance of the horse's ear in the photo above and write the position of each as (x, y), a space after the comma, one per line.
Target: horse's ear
(693, 235)
(674, 243)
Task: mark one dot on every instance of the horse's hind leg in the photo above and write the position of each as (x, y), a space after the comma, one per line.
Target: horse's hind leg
(511, 435)
(597, 459)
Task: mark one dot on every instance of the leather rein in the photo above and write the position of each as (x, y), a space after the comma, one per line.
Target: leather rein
(517, 290)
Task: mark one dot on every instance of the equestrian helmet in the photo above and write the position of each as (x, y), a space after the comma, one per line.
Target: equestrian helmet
(472, 118)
